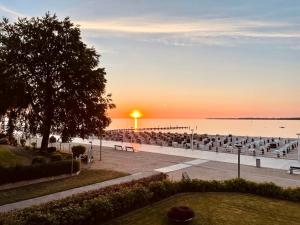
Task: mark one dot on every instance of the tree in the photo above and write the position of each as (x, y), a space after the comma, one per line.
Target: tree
(61, 75)
(13, 97)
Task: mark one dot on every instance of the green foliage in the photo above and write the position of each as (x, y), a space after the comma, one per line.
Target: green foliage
(78, 150)
(159, 190)
(56, 157)
(39, 160)
(35, 171)
(8, 158)
(4, 141)
(107, 203)
(51, 149)
(23, 142)
(43, 60)
(52, 139)
(33, 144)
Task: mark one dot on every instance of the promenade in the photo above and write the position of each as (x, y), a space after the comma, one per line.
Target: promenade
(273, 163)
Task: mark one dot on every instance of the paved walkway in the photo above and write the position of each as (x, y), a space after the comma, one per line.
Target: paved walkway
(273, 163)
(67, 193)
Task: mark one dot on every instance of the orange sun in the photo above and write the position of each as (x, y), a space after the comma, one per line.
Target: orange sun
(136, 114)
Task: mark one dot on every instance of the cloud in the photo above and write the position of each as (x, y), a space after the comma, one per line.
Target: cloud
(141, 25)
(11, 12)
(224, 32)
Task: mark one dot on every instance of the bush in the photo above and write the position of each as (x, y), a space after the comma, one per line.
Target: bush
(159, 190)
(33, 144)
(39, 160)
(51, 149)
(23, 142)
(56, 157)
(52, 139)
(35, 171)
(107, 203)
(78, 150)
(4, 141)
(13, 141)
(180, 214)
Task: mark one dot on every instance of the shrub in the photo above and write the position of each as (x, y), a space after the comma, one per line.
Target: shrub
(78, 150)
(39, 160)
(51, 149)
(33, 144)
(13, 141)
(27, 148)
(159, 190)
(56, 157)
(180, 214)
(23, 142)
(35, 171)
(52, 139)
(4, 141)
(107, 203)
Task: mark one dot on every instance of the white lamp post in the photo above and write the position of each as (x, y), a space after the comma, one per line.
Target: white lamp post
(192, 139)
(90, 153)
(239, 147)
(298, 146)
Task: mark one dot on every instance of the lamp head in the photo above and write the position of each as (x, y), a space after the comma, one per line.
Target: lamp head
(238, 145)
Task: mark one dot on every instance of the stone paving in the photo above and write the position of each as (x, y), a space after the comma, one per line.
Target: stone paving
(196, 168)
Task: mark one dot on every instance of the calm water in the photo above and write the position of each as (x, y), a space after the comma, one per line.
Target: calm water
(265, 128)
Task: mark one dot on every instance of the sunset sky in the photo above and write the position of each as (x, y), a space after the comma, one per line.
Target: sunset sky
(189, 59)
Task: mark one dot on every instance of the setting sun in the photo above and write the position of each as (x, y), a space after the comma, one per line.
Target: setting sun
(136, 114)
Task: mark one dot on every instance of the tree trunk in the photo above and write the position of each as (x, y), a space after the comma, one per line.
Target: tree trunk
(46, 135)
(48, 116)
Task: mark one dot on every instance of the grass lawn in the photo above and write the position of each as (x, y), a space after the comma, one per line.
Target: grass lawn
(85, 177)
(217, 209)
(9, 157)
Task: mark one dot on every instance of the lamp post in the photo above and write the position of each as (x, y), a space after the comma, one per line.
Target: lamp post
(90, 152)
(72, 163)
(298, 146)
(239, 147)
(100, 153)
(192, 139)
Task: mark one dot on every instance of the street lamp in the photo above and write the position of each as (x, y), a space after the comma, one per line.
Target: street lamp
(100, 153)
(298, 146)
(239, 147)
(192, 139)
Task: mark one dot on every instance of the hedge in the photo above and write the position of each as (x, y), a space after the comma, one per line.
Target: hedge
(78, 150)
(35, 171)
(105, 204)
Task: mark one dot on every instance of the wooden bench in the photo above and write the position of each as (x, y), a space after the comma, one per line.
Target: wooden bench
(119, 147)
(292, 168)
(129, 148)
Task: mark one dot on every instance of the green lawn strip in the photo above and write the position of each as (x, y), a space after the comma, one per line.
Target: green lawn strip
(8, 158)
(85, 177)
(217, 209)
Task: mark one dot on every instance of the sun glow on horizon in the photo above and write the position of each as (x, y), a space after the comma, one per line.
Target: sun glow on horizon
(136, 114)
